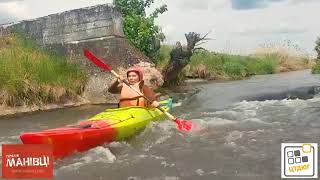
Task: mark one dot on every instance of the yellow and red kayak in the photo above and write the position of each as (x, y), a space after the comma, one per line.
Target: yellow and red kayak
(105, 127)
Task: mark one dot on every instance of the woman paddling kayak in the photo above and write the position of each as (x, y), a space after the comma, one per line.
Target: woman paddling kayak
(128, 97)
(183, 125)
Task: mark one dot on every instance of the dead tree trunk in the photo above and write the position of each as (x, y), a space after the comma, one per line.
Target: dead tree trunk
(180, 57)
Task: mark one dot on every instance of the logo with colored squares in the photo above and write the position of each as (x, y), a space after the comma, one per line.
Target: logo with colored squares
(299, 160)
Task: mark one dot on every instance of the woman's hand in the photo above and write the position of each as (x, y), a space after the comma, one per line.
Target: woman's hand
(155, 104)
(120, 79)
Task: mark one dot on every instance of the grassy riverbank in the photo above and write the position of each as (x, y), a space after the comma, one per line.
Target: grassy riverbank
(211, 65)
(30, 75)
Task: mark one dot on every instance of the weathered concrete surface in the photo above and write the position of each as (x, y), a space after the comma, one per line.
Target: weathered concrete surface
(75, 25)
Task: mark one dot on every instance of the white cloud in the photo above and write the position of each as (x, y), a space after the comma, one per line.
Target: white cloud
(29, 9)
(168, 29)
(301, 1)
(283, 28)
(195, 5)
(242, 31)
(13, 10)
(5, 1)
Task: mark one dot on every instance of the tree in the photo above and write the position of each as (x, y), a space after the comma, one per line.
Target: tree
(180, 57)
(139, 28)
(317, 48)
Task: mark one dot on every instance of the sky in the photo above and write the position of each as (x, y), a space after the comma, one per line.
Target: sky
(235, 26)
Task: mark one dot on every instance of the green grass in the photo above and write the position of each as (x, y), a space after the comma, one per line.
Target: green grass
(316, 67)
(31, 75)
(164, 55)
(224, 66)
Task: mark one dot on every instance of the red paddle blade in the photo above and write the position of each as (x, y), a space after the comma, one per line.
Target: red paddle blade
(96, 60)
(184, 125)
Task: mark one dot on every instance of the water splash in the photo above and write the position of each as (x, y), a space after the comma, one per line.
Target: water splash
(95, 155)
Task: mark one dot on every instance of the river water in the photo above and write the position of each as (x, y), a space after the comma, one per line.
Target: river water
(245, 123)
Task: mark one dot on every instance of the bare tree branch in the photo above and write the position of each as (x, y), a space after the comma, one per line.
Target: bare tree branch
(203, 42)
(204, 37)
(195, 49)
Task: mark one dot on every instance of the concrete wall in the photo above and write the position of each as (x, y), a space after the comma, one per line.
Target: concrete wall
(100, 21)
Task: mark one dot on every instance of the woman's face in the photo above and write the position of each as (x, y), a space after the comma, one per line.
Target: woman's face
(133, 78)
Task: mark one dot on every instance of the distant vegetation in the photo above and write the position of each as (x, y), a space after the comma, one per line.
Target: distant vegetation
(30, 75)
(223, 66)
(316, 68)
(220, 66)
